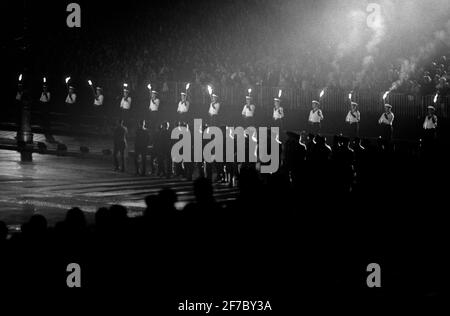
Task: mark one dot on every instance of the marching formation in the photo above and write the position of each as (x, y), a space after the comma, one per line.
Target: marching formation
(159, 123)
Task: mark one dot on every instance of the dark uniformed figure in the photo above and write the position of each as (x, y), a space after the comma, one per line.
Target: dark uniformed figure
(163, 147)
(141, 142)
(315, 118)
(120, 145)
(352, 119)
(386, 123)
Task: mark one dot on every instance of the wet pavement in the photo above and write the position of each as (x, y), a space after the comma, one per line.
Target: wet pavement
(50, 185)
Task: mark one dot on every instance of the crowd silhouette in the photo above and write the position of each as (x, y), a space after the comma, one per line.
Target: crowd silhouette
(312, 227)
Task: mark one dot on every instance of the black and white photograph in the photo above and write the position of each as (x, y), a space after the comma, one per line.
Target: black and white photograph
(225, 157)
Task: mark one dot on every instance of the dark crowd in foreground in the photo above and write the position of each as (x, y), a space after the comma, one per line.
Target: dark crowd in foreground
(312, 228)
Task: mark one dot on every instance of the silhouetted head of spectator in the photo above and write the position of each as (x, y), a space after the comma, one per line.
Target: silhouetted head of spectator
(203, 190)
(36, 226)
(75, 219)
(167, 199)
(3, 231)
(118, 214)
(152, 203)
(101, 217)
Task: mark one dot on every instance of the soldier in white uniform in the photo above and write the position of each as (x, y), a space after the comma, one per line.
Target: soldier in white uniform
(278, 113)
(248, 112)
(353, 118)
(98, 97)
(125, 104)
(183, 110)
(315, 118)
(154, 111)
(44, 102)
(386, 123)
(214, 108)
(71, 101)
(430, 125)
(99, 111)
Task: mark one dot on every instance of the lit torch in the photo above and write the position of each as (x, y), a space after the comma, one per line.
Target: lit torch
(92, 88)
(350, 96)
(149, 86)
(187, 86)
(20, 77)
(210, 90)
(385, 95)
(322, 93)
(67, 80)
(280, 92)
(436, 98)
(249, 91)
(125, 85)
(44, 80)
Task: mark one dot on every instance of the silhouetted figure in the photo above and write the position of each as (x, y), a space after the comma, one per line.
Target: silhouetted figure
(140, 148)
(120, 145)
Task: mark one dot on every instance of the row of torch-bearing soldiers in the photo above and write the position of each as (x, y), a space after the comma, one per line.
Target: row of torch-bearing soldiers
(154, 116)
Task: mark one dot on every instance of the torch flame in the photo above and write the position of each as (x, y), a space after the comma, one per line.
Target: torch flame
(385, 95)
(249, 91)
(435, 98)
(209, 90)
(20, 77)
(149, 86)
(90, 82)
(187, 86)
(277, 139)
(45, 80)
(350, 96)
(125, 85)
(279, 93)
(321, 93)
(67, 79)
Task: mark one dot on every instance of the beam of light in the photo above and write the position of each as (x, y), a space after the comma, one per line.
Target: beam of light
(435, 98)
(249, 91)
(322, 93)
(385, 95)
(20, 77)
(210, 90)
(280, 92)
(125, 85)
(90, 82)
(67, 80)
(149, 86)
(187, 86)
